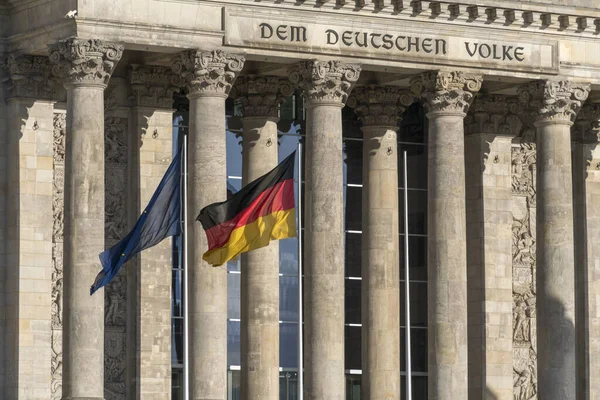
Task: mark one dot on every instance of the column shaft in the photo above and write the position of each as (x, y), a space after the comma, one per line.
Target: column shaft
(260, 277)
(3, 234)
(380, 265)
(555, 257)
(324, 255)
(83, 337)
(447, 263)
(208, 285)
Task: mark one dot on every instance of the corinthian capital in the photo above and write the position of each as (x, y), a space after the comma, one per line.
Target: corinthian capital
(260, 96)
(446, 91)
(210, 73)
(380, 105)
(494, 114)
(84, 62)
(587, 124)
(28, 76)
(553, 101)
(325, 81)
(153, 86)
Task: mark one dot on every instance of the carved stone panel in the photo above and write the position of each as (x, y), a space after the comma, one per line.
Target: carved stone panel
(524, 268)
(57, 254)
(115, 296)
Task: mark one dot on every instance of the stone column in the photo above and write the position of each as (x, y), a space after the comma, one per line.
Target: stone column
(150, 277)
(3, 220)
(379, 109)
(555, 105)
(326, 85)
(491, 126)
(85, 67)
(28, 218)
(260, 99)
(586, 192)
(447, 95)
(209, 76)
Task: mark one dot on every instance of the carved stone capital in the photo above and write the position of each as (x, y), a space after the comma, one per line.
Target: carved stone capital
(446, 91)
(84, 62)
(494, 114)
(208, 73)
(153, 85)
(380, 105)
(28, 76)
(260, 96)
(325, 82)
(553, 101)
(587, 124)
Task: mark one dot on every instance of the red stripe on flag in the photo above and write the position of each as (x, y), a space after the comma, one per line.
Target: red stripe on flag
(276, 198)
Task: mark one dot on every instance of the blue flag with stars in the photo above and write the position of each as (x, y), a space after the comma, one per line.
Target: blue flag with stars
(160, 219)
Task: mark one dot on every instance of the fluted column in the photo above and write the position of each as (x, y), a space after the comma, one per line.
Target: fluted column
(260, 98)
(149, 276)
(379, 109)
(85, 67)
(491, 126)
(586, 192)
(209, 77)
(326, 85)
(554, 105)
(447, 96)
(27, 227)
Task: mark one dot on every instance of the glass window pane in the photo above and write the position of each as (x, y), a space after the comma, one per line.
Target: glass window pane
(353, 383)
(353, 347)
(234, 147)
(176, 384)
(288, 385)
(419, 387)
(234, 380)
(233, 295)
(353, 208)
(416, 166)
(177, 341)
(417, 211)
(417, 248)
(412, 127)
(176, 295)
(352, 299)
(233, 343)
(288, 298)
(288, 143)
(288, 345)
(418, 345)
(288, 256)
(418, 304)
(353, 254)
(353, 160)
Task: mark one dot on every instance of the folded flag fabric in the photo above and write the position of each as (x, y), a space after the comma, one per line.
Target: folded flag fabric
(261, 211)
(160, 219)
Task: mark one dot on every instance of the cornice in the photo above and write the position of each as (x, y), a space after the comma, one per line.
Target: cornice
(558, 20)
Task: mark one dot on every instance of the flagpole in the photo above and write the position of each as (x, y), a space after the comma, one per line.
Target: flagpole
(300, 330)
(407, 289)
(186, 364)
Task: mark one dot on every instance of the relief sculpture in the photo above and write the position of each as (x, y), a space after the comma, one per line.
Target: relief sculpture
(524, 268)
(57, 253)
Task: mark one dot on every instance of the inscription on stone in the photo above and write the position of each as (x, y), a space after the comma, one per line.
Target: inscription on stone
(295, 33)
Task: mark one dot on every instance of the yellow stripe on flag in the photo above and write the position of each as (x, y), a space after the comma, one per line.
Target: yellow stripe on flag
(257, 234)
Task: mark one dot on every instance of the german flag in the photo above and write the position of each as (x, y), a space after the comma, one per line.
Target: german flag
(262, 211)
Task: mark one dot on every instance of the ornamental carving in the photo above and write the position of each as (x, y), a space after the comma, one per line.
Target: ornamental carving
(587, 124)
(29, 76)
(56, 305)
(154, 86)
(325, 81)
(446, 91)
(380, 105)
(84, 62)
(208, 72)
(260, 96)
(553, 100)
(115, 225)
(495, 114)
(524, 267)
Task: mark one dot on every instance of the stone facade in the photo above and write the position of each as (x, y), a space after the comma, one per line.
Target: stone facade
(512, 97)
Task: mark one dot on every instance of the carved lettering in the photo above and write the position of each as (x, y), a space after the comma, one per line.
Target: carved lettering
(282, 32)
(332, 36)
(298, 33)
(266, 31)
(495, 51)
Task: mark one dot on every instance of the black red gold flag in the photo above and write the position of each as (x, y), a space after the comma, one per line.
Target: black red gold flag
(261, 211)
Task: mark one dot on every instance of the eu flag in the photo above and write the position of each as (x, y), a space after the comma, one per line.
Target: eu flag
(160, 219)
